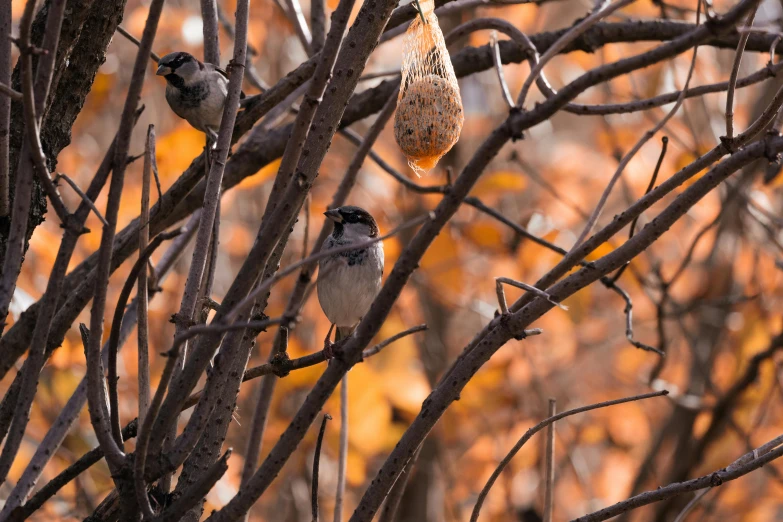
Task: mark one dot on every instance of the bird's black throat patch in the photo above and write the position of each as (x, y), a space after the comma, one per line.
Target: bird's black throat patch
(190, 96)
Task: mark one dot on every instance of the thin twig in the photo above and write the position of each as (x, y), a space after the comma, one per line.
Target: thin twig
(82, 195)
(316, 465)
(6, 21)
(306, 234)
(692, 504)
(35, 106)
(743, 41)
(200, 329)
(282, 366)
(493, 39)
(383, 344)
(197, 491)
(632, 229)
(574, 33)
(95, 382)
(124, 32)
(142, 292)
(538, 427)
(501, 294)
(143, 439)
(116, 325)
(70, 412)
(211, 200)
(342, 456)
(639, 144)
(747, 463)
(10, 93)
(16, 235)
(629, 320)
(549, 481)
(29, 383)
(51, 488)
(296, 17)
(263, 403)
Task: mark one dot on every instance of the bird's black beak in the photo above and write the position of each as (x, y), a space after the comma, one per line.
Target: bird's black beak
(163, 70)
(334, 215)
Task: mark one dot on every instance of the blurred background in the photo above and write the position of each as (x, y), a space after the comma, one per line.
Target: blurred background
(722, 310)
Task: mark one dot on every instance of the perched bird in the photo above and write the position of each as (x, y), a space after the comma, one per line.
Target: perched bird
(195, 91)
(349, 281)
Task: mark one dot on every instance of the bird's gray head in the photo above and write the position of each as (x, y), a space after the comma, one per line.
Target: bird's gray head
(179, 67)
(352, 223)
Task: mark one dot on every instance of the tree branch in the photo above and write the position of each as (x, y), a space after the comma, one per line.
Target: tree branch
(538, 427)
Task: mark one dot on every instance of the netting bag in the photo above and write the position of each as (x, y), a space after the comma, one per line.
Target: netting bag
(429, 107)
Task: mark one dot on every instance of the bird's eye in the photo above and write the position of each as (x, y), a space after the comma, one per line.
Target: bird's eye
(351, 218)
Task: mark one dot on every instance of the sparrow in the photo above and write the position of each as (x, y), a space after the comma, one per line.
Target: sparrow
(195, 91)
(349, 281)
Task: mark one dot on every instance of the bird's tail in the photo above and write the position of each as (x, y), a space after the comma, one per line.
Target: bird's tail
(343, 332)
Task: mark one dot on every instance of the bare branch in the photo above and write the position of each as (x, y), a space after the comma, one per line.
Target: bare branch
(639, 144)
(465, 62)
(549, 462)
(692, 504)
(211, 201)
(82, 195)
(316, 465)
(142, 442)
(538, 427)
(114, 336)
(317, 25)
(263, 403)
(653, 179)
(383, 344)
(196, 492)
(6, 20)
(499, 70)
(563, 42)
(142, 291)
(342, 456)
(743, 41)
(294, 13)
(35, 101)
(209, 16)
(389, 513)
(31, 88)
(70, 473)
(55, 436)
(282, 366)
(124, 32)
(747, 463)
(95, 383)
(10, 93)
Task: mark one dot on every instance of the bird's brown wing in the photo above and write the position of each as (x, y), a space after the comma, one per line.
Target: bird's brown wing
(225, 74)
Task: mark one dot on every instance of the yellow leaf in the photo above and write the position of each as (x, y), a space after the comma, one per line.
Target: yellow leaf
(501, 181)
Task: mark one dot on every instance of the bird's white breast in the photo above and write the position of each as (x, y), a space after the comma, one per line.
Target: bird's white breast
(346, 291)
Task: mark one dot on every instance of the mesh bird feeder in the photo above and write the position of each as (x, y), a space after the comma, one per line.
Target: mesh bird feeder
(429, 107)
